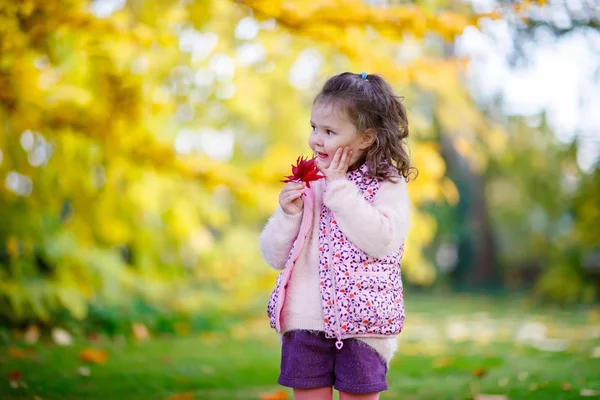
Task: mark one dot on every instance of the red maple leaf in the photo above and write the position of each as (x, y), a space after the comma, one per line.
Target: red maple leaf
(305, 170)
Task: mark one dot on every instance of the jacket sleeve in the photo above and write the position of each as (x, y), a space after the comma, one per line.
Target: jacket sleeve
(278, 236)
(377, 228)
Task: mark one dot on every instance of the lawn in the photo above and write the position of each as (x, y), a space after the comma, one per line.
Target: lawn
(456, 347)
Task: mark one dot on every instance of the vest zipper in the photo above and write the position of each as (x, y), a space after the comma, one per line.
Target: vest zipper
(339, 344)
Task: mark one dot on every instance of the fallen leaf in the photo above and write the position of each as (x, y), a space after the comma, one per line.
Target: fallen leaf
(588, 392)
(167, 360)
(595, 352)
(503, 382)
(566, 386)
(61, 337)
(32, 334)
(94, 337)
(83, 371)
(14, 375)
(279, 395)
(533, 386)
(490, 397)
(15, 352)
(140, 332)
(182, 396)
(14, 384)
(479, 372)
(95, 356)
(441, 362)
(523, 375)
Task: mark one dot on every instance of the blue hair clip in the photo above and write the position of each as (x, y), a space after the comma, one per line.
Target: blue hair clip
(363, 75)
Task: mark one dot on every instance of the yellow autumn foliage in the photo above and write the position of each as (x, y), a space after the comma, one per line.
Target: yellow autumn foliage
(144, 148)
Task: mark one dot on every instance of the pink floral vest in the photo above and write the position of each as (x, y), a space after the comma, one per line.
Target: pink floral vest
(361, 295)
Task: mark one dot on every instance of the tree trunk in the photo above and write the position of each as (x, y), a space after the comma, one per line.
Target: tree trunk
(477, 265)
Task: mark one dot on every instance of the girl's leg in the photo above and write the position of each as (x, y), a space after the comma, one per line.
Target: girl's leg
(324, 393)
(350, 396)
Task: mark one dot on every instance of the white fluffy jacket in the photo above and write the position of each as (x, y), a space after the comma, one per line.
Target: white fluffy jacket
(377, 228)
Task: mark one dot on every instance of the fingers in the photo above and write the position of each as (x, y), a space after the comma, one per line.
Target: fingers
(339, 165)
(335, 163)
(292, 195)
(341, 162)
(291, 191)
(291, 200)
(344, 163)
(293, 186)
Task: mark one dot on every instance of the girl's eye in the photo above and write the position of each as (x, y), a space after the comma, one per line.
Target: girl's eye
(327, 132)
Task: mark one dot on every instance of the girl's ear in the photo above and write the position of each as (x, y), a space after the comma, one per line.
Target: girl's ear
(367, 138)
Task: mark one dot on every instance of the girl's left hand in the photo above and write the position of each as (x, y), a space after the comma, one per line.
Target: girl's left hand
(339, 165)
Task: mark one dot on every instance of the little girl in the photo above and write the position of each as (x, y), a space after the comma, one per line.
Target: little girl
(338, 301)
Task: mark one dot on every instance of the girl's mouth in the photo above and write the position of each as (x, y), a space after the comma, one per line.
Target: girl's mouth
(321, 155)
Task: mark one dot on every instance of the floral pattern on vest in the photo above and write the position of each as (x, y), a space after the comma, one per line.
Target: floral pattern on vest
(360, 295)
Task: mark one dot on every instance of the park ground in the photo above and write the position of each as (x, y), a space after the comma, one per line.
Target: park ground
(453, 347)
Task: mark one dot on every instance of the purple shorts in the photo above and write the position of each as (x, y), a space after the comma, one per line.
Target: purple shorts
(309, 360)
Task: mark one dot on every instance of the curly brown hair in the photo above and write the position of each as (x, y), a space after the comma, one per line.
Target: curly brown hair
(371, 104)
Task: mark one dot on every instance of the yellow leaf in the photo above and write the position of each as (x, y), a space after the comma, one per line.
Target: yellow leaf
(73, 301)
(181, 396)
(279, 395)
(15, 352)
(441, 362)
(95, 356)
(12, 246)
(70, 94)
(479, 372)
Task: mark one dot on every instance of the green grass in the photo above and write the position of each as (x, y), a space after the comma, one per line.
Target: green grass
(446, 342)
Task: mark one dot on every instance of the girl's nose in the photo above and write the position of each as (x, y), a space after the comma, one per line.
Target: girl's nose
(317, 139)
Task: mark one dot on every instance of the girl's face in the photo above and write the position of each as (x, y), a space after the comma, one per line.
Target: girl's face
(331, 129)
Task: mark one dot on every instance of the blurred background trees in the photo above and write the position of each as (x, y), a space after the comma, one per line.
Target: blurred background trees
(142, 144)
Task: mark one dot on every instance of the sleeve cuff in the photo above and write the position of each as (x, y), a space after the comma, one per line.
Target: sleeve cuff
(287, 220)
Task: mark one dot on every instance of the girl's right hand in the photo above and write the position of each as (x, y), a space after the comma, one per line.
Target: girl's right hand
(290, 198)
